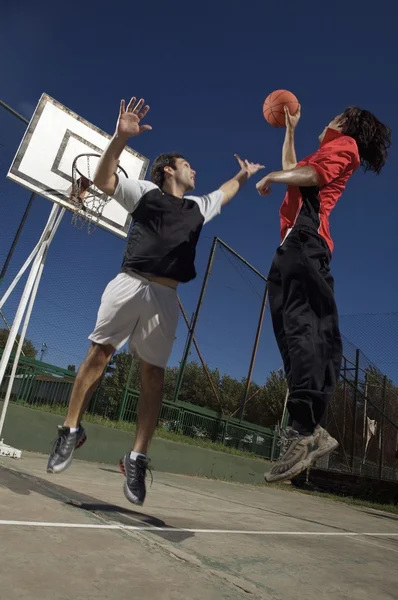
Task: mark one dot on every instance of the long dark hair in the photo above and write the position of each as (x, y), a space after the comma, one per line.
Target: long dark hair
(372, 137)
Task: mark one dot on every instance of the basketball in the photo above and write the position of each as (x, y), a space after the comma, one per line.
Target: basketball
(274, 104)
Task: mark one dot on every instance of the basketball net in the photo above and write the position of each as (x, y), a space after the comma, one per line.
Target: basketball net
(88, 201)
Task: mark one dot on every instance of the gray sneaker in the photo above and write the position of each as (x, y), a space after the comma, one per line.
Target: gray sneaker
(64, 446)
(327, 443)
(299, 452)
(134, 471)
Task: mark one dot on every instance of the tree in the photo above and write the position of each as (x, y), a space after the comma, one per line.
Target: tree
(28, 348)
(266, 407)
(231, 393)
(71, 368)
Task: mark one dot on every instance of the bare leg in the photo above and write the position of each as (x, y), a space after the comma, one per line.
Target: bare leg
(149, 404)
(86, 382)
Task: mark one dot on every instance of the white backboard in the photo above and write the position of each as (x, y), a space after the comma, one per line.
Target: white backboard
(43, 162)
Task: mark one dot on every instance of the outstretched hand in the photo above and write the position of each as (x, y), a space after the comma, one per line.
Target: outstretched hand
(129, 121)
(247, 167)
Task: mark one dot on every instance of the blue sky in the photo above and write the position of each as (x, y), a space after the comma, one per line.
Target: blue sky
(205, 68)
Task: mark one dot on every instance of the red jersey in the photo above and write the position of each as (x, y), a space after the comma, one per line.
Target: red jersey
(335, 161)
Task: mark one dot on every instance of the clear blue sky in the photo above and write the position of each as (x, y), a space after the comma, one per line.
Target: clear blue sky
(205, 68)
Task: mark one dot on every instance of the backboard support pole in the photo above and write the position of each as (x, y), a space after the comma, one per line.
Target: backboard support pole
(37, 259)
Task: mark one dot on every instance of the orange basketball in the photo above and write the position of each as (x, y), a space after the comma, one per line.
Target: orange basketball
(273, 108)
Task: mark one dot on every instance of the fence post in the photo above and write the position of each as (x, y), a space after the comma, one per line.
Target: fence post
(184, 359)
(126, 391)
(382, 423)
(365, 410)
(354, 412)
(254, 353)
(93, 402)
(344, 395)
(274, 438)
(30, 386)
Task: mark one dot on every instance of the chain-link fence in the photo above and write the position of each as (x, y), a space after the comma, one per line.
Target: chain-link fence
(46, 387)
(363, 417)
(227, 321)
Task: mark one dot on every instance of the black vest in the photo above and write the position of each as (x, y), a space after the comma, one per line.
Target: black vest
(164, 236)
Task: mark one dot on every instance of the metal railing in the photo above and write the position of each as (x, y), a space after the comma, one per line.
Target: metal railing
(38, 384)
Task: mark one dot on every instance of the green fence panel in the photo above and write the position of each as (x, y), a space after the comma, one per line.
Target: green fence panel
(41, 384)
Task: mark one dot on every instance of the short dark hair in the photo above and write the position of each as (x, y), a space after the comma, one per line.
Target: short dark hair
(160, 162)
(372, 137)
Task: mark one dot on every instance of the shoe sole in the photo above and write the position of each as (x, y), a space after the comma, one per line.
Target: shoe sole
(303, 465)
(63, 466)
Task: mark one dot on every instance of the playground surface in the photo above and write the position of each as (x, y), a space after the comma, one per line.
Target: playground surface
(75, 536)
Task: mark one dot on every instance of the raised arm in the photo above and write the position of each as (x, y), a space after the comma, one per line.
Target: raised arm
(210, 204)
(231, 188)
(128, 125)
(300, 177)
(289, 160)
(328, 164)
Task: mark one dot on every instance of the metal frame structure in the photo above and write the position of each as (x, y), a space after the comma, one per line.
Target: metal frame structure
(192, 327)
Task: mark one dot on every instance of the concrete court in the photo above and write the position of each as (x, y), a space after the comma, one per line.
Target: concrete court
(244, 541)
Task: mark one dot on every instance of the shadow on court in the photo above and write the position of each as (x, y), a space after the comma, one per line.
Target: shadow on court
(26, 484)
(193, 539)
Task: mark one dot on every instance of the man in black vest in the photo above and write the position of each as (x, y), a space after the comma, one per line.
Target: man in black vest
(140, 305)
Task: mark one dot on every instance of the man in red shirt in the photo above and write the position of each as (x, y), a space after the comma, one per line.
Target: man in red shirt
(300, 285)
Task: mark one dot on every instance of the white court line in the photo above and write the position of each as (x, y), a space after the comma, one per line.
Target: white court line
(189, 530)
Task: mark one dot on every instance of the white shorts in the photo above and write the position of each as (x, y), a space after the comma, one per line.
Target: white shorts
(141, 312)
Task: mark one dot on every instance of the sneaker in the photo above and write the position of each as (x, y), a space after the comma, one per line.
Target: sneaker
(62, 452)
(299, 452)
(327, 443)
(135, 472)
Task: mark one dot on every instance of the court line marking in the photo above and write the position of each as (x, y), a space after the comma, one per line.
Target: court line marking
(191, 530)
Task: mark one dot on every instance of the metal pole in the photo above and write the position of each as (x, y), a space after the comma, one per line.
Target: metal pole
(285, 413)
(16, 237)
(254, 353)
(206, 370)
(195, 319)
(14, 112)
(22, 339)
(28, 207)
(232, 251)
(47, 235)
(384, 396)
(30, 258)
(126, 391)
(365, 411)
(354, 416)
(344, 396)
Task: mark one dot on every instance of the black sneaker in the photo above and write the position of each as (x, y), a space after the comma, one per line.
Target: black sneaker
(298, 453)
(135, 472)
(62, 452)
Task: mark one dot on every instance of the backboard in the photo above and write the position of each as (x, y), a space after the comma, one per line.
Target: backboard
(43, 162)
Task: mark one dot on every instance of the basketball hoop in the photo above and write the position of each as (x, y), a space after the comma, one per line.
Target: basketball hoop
(87, 200)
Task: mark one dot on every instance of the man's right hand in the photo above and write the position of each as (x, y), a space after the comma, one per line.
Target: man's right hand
(292, 120)
(129, 122)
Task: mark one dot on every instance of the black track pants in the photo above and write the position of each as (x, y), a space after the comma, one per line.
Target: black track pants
(305, 322)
